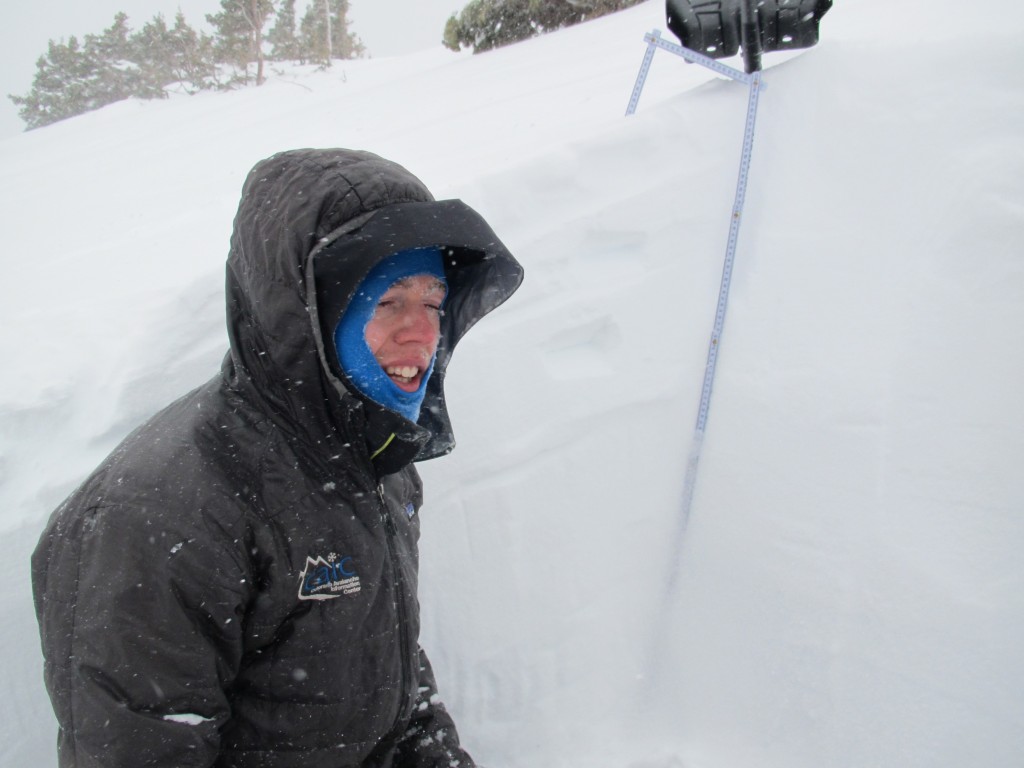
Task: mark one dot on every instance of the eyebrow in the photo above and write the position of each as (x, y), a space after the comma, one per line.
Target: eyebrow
(435, 285)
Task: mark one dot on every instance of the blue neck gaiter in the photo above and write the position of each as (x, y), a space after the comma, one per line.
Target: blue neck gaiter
(354, 354)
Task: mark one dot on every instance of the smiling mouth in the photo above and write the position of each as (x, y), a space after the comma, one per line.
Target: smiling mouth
(406, 376)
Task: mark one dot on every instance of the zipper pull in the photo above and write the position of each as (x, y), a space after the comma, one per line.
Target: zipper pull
(385, 513)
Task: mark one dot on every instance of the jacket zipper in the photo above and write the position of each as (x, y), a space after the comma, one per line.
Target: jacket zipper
(391, 533)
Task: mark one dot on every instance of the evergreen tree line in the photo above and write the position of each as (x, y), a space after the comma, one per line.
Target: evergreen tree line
(75, 77)
(486, 24)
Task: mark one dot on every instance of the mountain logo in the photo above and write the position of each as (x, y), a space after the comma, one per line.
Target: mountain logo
(328, 578)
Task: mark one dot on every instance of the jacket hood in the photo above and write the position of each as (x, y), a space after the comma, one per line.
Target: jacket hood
(310, 225)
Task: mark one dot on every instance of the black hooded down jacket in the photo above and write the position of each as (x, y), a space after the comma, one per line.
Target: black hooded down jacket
(235, 586)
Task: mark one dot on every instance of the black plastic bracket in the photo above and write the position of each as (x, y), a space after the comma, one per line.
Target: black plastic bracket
(719, 28)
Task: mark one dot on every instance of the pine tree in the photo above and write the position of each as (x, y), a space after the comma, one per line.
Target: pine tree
(154, 51)
(73, 78)
(193, 61)
(113, 68)
(550, 15)
(486, 24)
(114, 44)
(173, 55)
(284, 42)
(239, 34)
(344, 43)
(313, 35)
(58, 87)
(324, 34)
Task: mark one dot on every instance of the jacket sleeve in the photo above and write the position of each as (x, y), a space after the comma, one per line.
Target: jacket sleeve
(140, 621)
(431, 740)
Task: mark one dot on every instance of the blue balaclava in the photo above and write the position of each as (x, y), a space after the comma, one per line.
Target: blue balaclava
(354, 354)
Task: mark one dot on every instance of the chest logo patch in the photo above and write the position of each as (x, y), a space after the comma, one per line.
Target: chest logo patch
(326, 579)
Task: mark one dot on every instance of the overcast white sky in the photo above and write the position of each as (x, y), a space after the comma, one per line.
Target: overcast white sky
(386, 27)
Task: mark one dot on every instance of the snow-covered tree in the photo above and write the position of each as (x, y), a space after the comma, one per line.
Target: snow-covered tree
(344, 43)
(58, 87)
(193, 61)
(72, 78)
(283, 38)
(486, 24)
(112, 64)
(324, 33)
(177, 54)
(238, 34)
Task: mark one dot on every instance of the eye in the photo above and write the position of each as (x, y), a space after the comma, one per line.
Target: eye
(386, 308)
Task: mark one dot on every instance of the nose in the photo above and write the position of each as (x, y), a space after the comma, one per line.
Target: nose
(418, 324)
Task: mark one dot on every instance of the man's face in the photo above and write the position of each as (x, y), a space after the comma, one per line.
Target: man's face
(405, 328)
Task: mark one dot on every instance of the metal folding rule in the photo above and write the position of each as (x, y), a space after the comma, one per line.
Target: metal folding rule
(753, 80)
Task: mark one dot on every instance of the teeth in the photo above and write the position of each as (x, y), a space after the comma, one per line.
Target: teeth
(404, 372)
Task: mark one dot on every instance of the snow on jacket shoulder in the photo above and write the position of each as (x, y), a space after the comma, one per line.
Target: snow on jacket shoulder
(236, 585)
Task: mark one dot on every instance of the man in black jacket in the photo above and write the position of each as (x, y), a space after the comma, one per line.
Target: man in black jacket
(235, 586)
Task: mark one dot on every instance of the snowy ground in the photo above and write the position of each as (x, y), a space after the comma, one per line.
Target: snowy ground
(850, 589)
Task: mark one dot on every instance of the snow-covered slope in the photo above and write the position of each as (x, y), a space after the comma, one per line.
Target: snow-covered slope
(850, 589)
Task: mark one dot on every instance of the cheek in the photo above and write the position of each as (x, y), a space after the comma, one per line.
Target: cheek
(376, 334)
(436, 327)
